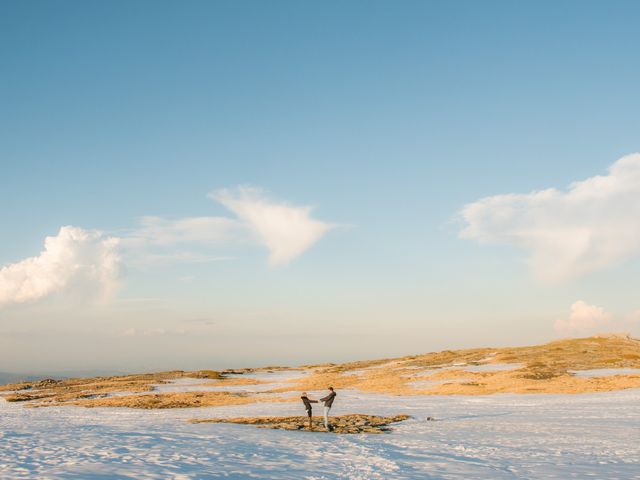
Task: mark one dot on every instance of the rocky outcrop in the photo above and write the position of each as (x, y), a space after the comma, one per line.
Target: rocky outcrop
(354, 423)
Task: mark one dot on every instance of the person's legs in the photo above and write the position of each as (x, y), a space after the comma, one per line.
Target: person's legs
(310, 423)
(326, 417)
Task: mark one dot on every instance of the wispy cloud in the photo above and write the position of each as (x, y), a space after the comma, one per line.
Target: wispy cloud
(149, 258)
(162, 241)
(286, 230)
(155, 230)
(73, 261)
(152, 332)
(588, 227)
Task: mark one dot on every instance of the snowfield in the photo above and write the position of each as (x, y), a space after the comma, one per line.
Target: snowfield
(484, 437)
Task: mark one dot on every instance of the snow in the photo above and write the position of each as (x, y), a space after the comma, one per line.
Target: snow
(272, 380)
(494, 437)
(605, 372)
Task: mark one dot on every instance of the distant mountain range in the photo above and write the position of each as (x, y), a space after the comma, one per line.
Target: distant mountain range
(6, 377)
(15, 378)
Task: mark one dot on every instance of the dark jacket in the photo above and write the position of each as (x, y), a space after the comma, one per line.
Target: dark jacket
(307, 403)
(328, 400)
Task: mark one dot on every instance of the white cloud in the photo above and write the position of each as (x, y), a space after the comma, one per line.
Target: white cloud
(87, 263)
(74, 261)
(286, 230)
(593, 224)
(584, 319)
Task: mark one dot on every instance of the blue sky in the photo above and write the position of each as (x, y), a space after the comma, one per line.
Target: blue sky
(387, 118)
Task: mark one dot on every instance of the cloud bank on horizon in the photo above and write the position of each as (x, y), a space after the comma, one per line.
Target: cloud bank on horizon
(89, 262)
(583, 319)
(592, 225)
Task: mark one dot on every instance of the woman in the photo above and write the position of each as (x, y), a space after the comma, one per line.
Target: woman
(307, 405)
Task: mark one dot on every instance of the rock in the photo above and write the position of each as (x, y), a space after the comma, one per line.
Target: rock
(46, 383)
(344, 424)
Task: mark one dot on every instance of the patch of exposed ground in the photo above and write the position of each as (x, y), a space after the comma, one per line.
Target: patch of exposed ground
(353, 423)
(168, 400)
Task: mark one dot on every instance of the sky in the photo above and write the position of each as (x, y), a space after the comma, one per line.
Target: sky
(214, 184)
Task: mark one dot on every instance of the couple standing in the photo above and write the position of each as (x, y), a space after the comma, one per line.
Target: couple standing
(327, 400)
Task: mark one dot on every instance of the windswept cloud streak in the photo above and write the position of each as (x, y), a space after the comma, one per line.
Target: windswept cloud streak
(190, 230)
(74, 260)
(592, 225)
(286, 230)
(161, 241)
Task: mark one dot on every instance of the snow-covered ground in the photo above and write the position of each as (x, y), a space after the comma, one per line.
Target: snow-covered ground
(605, 372)
(488, 437)
(272, 380)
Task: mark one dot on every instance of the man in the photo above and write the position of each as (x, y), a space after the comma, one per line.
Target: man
(328, 401)
(307, 406)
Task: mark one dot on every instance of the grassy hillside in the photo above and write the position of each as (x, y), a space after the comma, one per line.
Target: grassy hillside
(548, 368)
